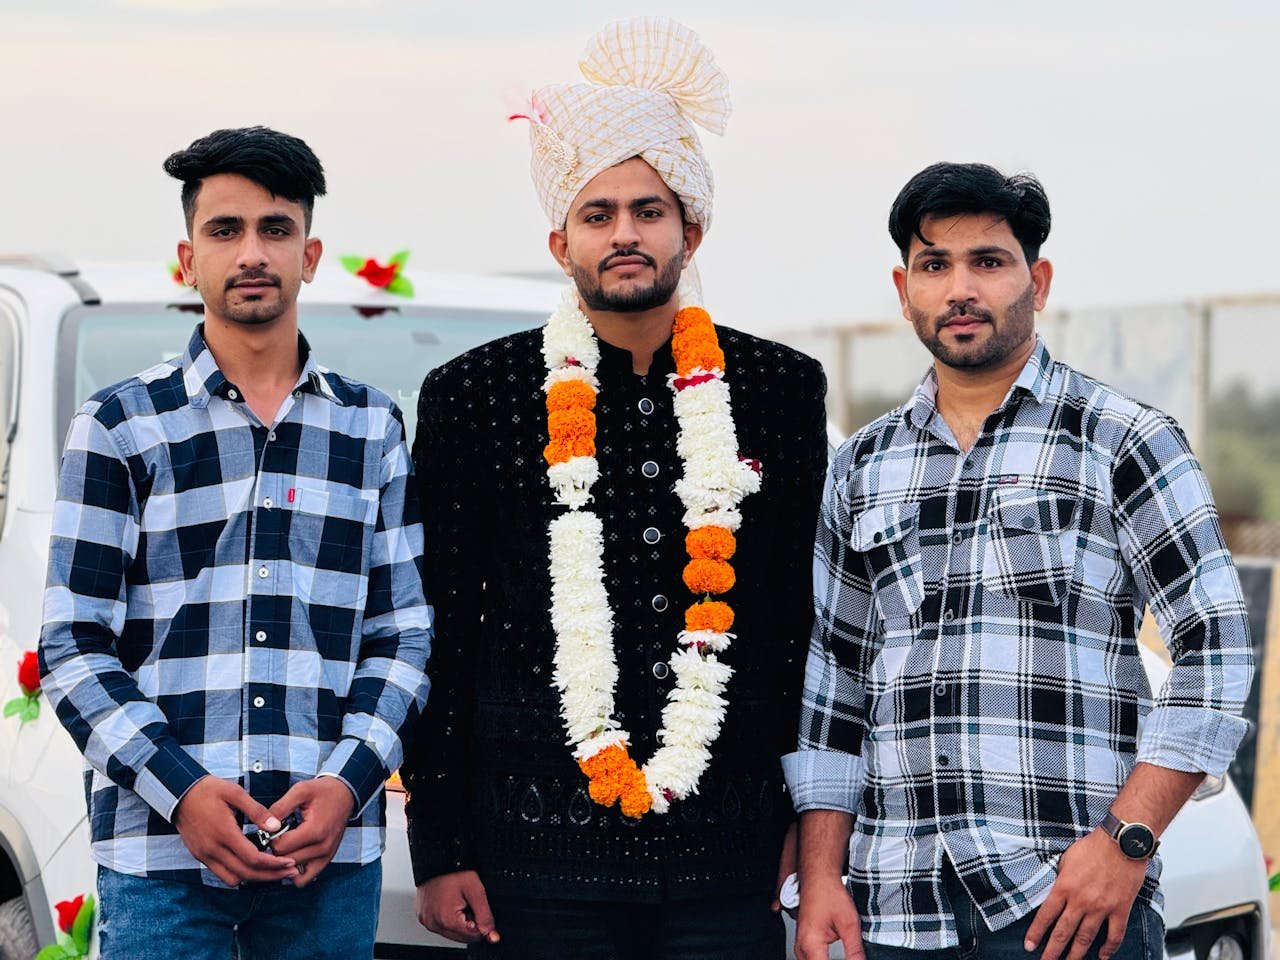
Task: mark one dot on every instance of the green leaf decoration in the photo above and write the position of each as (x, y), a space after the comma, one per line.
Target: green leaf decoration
(1275, 882)
(53, 952)
(83, 927)
(30, 710)
(66, 943)
(401, 287)
(14, 705)
(352, 264)
(399, 257)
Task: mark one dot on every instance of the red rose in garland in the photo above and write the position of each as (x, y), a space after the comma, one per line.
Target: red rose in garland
(26, 707)
(389, 277)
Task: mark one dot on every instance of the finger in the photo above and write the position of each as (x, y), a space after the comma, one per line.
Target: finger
(255, 812)
(478, 900)
(1085, 934)
(310, 870)
(1117, 924)
(307, 834)
(1060, 936)
(455, 927)
(295, 797)
(851, 940)
(322, 849)
(1044, 919)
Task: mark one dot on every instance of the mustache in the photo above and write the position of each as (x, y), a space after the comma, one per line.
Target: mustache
(261, 275)
(619, 254)
(965, 310)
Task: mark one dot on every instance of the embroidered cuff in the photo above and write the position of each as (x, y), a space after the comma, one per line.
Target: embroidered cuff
(824, 780)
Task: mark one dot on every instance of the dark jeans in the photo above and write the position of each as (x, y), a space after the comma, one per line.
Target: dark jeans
(718, 928)
(1143, 938)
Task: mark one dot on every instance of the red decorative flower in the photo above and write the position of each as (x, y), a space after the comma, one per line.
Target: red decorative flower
(29, 673)
(67, 912)
(377, 274)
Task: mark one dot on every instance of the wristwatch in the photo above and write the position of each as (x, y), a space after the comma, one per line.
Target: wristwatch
(1137, 841)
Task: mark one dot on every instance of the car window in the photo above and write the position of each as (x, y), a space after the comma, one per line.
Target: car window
(9, 361)
(391, 348)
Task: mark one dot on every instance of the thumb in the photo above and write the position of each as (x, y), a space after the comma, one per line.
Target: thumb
(253, 810)
(478, 900)
(293, 798)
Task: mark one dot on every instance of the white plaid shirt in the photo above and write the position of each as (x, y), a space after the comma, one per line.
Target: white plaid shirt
(974, 689)
(232, 599)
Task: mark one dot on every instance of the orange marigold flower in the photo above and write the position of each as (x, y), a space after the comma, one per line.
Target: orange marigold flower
(611, 773)
(570, 394)
(694, 342)
(713, 615)
(708, 576)
(636, 800)
(569, 424)
(710, 543)
(562, 451)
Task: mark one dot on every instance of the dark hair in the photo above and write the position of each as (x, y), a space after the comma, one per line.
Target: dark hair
(275, 161)
(949, 189)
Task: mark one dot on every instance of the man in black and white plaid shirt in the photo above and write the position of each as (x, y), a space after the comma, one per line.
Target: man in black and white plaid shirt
(977, 729)
(235, 630)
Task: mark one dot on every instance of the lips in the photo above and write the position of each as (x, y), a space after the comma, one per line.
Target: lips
(253, 284)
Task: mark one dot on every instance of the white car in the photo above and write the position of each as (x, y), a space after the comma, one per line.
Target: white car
(67, 331)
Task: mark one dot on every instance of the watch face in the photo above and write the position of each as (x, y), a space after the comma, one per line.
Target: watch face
(1136, 841)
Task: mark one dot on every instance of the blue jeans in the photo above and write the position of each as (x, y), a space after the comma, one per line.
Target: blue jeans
(716, 928)
(1143, 937)
(334, 917)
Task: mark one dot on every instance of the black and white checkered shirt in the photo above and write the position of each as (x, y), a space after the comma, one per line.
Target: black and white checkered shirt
(234, 599)
(974, 689)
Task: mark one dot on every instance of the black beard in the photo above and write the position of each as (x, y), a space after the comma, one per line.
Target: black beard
(637, 300)
(1009, 332)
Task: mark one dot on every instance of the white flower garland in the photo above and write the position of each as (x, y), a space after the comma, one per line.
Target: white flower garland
(713, 483)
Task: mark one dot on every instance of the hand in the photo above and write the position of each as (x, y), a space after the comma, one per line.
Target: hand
(827, 914)
(206, 821)
(786, 865)
(1096, 884)
(325, 805)
(454, 905)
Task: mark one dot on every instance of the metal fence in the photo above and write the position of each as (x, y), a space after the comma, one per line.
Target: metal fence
(1214, 364)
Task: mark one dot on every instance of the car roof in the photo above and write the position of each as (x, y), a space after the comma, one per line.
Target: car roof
(153, 283)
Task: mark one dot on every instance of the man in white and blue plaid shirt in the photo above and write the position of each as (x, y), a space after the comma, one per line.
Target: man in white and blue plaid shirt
(977, 730)
(235, 630)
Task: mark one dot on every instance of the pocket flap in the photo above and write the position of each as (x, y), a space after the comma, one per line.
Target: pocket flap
(1035, 511)
(881, 525)
(345, 504)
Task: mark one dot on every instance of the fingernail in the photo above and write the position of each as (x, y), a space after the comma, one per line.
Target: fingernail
(1028, 945)
(272, 825)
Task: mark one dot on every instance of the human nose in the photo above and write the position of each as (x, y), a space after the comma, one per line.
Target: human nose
(963, 287)
(625, 232)
(252, 252)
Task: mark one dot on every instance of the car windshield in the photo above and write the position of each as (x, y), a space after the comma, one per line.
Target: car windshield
(391, 348)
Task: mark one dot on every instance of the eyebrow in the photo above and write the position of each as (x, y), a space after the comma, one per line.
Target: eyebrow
(268, 220)
(986, 251)
(607, 204)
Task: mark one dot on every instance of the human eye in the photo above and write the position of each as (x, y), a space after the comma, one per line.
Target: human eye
(933, 266)
(649, 213)
(990, 263)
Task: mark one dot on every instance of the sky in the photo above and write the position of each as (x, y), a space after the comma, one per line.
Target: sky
(1153, 125)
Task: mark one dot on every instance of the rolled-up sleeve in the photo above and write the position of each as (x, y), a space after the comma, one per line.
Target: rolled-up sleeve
(1170, 537)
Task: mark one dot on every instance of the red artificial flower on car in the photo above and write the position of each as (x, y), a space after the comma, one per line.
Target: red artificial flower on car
(377, 274)
(386, 277)
(29, 673)
(68, 910)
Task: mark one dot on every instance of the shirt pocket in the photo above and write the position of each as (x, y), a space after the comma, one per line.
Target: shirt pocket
(330, 533)
(1030, 553)
(888, 538)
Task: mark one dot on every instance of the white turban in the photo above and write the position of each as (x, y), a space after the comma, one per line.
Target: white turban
(648, 78)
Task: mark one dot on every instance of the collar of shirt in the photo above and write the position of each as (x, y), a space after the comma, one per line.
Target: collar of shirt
(203, 379)
(1033, 381)
(615, 361)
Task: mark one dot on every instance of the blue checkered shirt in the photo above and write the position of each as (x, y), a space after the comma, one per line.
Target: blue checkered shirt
(974, 689)
(235, 599)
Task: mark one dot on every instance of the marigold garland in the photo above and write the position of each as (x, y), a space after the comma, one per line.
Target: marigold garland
(713, 482)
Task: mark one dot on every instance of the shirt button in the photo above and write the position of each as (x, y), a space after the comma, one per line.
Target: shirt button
(232, 395)
(949, 616)
(257, 766)
(652, 535)
(659, 602)
(940, 690)
(297, 394)
(645, 405)
(943, 760)
(263, 572)
(271, 435)
(260, 636)
(660, 670)
(1028, 522)
(259, 702)
(649, 469)
(266, 502)
(876, 538)
(968, 463)
(957, 537)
